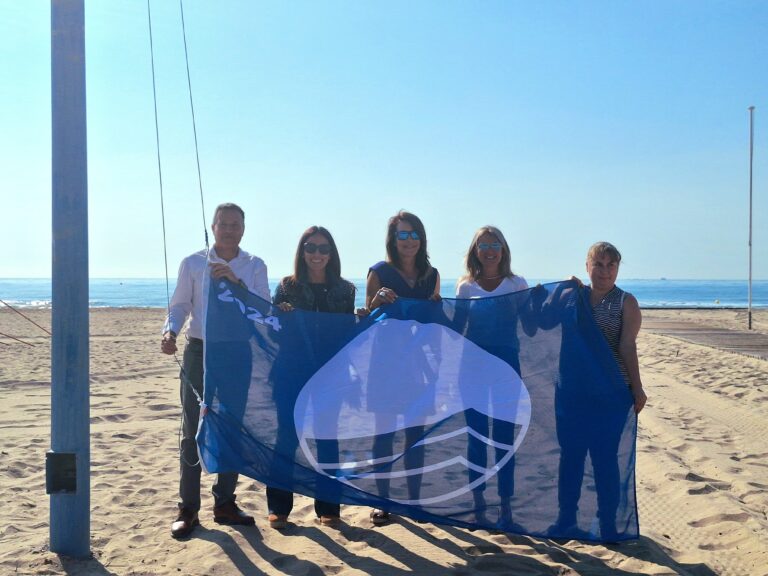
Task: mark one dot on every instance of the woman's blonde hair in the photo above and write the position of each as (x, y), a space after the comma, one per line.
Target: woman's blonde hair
(472, 262)
(604, 249)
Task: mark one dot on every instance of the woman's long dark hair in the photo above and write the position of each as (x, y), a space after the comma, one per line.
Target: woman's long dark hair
(422, 256)
(332, 270)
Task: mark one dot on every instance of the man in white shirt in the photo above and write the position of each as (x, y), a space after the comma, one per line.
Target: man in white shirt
(225, 260)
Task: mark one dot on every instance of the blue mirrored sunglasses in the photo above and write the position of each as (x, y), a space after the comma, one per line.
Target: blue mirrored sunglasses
(493, 246)
(405, 234)
(311, 248)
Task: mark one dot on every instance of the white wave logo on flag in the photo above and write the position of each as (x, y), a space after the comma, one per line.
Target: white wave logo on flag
(400, 375)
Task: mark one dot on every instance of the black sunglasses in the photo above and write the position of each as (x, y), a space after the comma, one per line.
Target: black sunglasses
(311, 248)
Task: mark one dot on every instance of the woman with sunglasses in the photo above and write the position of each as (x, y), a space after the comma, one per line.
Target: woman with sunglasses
(406, 273)
(489, 274)
(488, 267)
(315, 285)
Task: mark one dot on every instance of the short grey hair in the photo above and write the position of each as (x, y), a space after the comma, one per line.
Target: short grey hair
(227, 206)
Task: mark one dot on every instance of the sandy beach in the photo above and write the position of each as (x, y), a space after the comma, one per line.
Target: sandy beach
(702, 474)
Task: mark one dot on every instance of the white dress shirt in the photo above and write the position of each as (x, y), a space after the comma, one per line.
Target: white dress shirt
(187, 299)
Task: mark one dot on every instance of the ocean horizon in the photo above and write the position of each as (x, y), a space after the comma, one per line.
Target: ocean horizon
(152, 293)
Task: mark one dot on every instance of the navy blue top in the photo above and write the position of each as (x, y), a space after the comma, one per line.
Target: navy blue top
(391, 278)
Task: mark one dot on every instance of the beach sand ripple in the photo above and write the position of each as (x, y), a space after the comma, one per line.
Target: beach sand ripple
(702, 475)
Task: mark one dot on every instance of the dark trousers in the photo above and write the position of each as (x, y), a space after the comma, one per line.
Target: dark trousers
(280, 501)
(501, 431)
(413, 459)
(189, 480)
(579, 433)
(477, 451)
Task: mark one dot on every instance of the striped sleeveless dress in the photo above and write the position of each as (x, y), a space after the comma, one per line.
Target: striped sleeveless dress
(608, 314)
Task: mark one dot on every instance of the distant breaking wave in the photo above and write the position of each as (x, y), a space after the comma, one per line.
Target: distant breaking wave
(151, 292)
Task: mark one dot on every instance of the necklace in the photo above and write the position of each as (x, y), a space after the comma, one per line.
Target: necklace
(490, 277)
(410, 279)
(600, 300)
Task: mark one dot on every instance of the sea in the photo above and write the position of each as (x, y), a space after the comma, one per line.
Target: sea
(154, 292)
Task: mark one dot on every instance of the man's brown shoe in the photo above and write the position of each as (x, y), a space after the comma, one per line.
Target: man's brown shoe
(230, 513)
(185, 523)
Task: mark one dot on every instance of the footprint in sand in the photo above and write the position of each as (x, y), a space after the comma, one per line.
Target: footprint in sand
(482, 549)
(717, 518)
(723, 546)
(707, 489)
(161, 407)
(714, 482)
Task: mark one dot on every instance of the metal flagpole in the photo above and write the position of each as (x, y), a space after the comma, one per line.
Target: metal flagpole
(751, 148)
(67, 470)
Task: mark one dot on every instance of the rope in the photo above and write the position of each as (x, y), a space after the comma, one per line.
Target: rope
(160, 169)
(159, 165)
(14, 338)
(183, 375)
(25, 317)
(194, 124)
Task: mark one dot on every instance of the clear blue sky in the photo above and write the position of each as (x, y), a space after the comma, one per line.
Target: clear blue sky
(562, 123)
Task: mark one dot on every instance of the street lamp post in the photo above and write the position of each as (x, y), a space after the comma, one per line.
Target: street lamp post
(751, 154)
(68, 461)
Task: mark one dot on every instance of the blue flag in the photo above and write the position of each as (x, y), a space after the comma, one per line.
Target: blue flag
(505, 413)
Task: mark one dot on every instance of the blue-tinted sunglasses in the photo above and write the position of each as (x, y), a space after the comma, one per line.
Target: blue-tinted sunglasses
(311, 248)
(493, 246)
(405, 234)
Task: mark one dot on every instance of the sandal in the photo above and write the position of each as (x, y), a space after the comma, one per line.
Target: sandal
(278, 521)
(379, 517)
